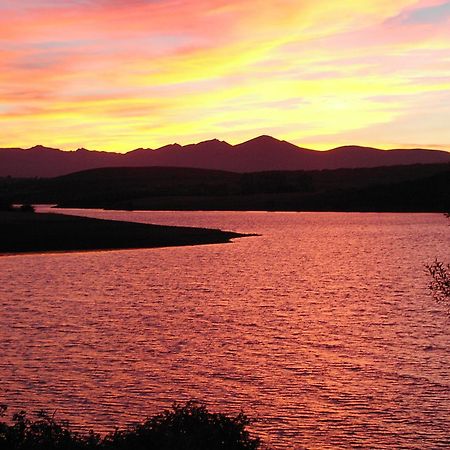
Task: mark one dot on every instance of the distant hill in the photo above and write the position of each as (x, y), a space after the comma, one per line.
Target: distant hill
(420, 187)
(264, 153)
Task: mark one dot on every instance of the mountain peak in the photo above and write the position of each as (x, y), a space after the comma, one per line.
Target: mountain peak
(41, 148)
(213, 141)
(264, 139)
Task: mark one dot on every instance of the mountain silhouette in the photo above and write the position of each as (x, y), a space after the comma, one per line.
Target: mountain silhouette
(263, 153)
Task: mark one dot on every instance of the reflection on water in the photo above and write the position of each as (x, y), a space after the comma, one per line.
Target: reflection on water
(321, 328)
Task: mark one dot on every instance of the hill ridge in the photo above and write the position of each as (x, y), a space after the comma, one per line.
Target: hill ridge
(262, 153)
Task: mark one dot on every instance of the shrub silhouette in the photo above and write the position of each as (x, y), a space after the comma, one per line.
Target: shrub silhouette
(440, 280)
(440, 283)
(43, 433)
(184, 427)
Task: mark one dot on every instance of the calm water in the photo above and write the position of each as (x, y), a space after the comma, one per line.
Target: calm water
(322, 329)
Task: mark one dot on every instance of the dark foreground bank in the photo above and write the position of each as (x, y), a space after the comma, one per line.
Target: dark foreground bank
(185, 427)
(28, 232)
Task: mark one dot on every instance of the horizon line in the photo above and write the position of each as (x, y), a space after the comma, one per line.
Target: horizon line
(432, 147)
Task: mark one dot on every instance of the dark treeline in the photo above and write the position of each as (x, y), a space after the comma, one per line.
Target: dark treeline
(184, 427)
(396, 188)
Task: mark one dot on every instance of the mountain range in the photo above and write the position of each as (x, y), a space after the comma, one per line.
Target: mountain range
(263, 153)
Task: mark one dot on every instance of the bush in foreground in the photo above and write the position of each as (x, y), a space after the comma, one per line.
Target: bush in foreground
(184, 427)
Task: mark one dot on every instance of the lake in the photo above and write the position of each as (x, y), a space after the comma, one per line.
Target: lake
(321, 328)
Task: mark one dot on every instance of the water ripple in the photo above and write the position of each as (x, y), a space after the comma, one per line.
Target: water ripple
(321, 329)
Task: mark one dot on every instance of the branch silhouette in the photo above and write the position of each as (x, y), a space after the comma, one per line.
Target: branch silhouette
(440, 280)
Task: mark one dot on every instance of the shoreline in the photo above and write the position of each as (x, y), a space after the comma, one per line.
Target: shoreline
(34, 233)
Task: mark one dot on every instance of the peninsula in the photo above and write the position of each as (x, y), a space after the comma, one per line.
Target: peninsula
(31, 232)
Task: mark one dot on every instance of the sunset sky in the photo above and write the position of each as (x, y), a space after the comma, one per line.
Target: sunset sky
(117, 75)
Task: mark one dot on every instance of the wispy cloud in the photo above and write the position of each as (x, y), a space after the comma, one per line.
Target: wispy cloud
(432, 14)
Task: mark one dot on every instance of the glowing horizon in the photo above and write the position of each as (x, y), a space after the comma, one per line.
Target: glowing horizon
(109, 75)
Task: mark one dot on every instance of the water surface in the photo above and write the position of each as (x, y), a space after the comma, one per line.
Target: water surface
(321, 328)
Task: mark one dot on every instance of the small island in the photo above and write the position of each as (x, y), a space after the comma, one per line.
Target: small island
(31, 232)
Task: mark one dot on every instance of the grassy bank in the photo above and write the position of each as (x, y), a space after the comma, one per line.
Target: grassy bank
(28, 232)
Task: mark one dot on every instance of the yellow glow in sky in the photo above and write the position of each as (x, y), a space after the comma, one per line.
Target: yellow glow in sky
(111, 75)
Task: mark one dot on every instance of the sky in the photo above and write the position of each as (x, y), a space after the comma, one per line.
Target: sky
(118, 75)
